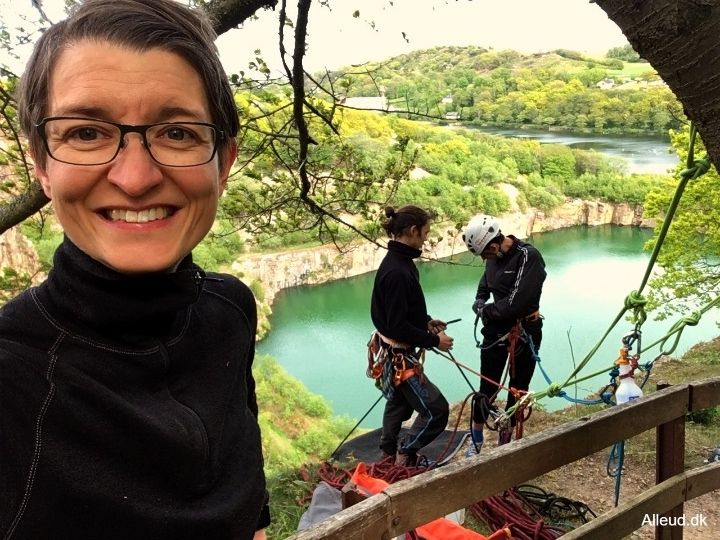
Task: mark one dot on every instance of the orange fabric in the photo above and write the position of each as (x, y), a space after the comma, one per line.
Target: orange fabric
(365, 482)
(439, 529)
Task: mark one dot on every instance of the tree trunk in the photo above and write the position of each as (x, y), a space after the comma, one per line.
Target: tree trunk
(680, 39)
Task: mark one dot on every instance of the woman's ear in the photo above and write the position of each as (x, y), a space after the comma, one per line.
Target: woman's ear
(227, 157)
(42, 176)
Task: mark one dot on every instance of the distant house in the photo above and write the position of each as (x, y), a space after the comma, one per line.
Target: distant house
(452, 115)
(605, 84)
(373, 103)
(447, 100)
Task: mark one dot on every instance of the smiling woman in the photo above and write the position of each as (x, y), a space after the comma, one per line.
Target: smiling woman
(127, 402)
(99, 167)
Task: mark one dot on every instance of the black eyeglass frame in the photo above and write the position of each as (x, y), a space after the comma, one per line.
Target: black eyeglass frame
(141, 129)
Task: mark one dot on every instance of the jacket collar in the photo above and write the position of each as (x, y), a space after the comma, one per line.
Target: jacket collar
(403, 249)
(89, 294)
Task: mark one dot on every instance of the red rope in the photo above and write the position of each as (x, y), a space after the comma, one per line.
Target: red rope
(510, 510)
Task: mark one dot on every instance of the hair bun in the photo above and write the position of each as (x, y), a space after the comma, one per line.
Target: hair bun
(390, 212)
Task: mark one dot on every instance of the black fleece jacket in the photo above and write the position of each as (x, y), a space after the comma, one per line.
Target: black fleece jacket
(515, 282)
(398, 308)
(127, 407)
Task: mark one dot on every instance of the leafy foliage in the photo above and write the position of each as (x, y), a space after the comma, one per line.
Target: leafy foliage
(12, 282)
(556, 89)
(625, 53)
(297, 429)
(689, 254)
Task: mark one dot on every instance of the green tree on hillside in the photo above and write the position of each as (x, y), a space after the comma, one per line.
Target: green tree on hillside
(625, 53)
(690, 254)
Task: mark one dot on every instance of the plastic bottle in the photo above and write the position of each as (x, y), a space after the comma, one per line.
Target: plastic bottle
(627, 390)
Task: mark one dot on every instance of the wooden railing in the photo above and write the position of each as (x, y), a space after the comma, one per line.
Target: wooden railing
(418, 500)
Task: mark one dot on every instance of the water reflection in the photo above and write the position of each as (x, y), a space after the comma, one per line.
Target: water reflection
(642, 154)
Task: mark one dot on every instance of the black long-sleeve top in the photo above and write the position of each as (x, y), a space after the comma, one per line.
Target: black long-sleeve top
(398, 308)
(127, 406)
(515, 282)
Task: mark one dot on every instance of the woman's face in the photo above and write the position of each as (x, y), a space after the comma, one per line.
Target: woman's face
(417, 236)
(132, 214)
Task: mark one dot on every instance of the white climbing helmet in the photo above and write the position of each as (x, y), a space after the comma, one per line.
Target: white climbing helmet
(479, 232)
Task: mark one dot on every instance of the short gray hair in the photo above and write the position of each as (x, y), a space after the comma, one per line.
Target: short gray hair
(140, 25)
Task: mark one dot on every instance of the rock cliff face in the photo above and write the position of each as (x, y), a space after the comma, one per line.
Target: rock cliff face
(277, 271)
(17, 252)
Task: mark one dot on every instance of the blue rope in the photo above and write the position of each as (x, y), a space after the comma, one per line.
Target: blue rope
(561, 393)
(616, 459)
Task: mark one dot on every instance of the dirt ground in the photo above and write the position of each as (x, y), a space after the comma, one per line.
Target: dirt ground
(587, 481)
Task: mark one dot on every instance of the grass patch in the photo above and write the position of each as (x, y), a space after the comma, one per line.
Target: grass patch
(632, 69)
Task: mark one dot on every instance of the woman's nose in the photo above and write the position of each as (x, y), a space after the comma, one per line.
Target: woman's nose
(134, 170)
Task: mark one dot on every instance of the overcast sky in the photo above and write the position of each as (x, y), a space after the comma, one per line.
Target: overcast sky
(336, 38)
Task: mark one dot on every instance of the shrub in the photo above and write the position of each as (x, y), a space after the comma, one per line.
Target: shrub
(705, 417)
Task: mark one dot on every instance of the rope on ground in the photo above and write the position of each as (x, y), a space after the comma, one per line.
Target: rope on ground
(556, 508)
(511, 510)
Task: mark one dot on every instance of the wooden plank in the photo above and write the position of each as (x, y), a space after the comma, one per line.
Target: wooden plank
(629, 516)
(366, 519)
(418, 500)
(670, 461)
(702, 480)
(704, 394)
(436, 493)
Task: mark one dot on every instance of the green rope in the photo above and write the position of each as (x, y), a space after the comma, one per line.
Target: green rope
(689, 320)
(554, 389)
(694, 169)
(635, 302)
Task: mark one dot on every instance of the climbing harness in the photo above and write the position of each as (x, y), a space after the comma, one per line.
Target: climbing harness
(391, 363)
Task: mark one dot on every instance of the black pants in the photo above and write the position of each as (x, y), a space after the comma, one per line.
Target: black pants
(492, 365)
(431, 406)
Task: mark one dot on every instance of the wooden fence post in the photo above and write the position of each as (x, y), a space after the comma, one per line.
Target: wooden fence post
(670, 452)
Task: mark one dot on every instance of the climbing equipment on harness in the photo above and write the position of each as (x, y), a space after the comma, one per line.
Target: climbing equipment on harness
(391, 363)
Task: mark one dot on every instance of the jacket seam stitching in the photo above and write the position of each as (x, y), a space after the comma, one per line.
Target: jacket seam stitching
(85, 340)
(38, 436)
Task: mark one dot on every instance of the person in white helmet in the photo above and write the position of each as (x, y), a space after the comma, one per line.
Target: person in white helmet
(514, 276)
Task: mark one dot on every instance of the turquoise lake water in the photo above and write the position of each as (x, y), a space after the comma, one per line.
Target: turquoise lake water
(320, 333)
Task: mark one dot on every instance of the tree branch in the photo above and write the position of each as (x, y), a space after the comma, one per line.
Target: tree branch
(228, 14)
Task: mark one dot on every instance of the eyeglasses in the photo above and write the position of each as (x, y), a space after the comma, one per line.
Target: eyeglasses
(86, 141)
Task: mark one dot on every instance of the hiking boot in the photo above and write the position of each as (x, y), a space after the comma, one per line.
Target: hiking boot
(405, 460)
(476, 439)
(473, 449)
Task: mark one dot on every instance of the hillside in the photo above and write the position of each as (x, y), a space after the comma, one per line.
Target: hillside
(558, 89)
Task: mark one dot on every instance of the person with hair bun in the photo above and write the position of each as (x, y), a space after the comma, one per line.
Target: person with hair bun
(404, 331)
